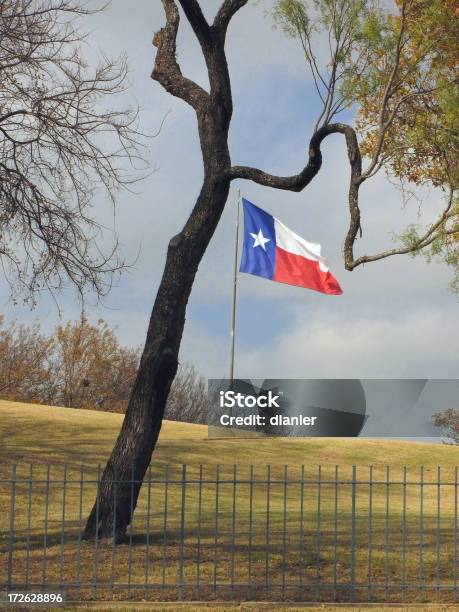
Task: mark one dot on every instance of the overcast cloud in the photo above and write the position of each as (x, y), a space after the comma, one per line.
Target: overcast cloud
(396, 318)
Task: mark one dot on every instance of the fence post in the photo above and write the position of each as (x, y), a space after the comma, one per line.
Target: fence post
(421, 532)
(250, 531)
(318, 531)
(131, 525)
(62, 559)
(335, 539)
(404, 534)
(11, 531)
(45, 535)
(437, 565)
(455, 533)
(80, 528)
(354, 476)
(284, 535)
(370, 532)
(268, 494)
(217, 491)
(198, 559)
(182, 533)
(147, 543)
(29, 526)
(96, 539)
(233, 530)
(302, 569)
(386, 539)
(165, 516)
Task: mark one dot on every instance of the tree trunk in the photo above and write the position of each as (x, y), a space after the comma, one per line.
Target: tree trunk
(122, 478)
(130, 458)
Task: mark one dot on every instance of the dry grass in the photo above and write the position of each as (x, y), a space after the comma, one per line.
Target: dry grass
(31, 433)
(299, 551)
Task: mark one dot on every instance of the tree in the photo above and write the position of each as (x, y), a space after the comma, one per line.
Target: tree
(79, 365)
(187, 400)
(405, 87)
(83, 365)
(26, 367)
(448, 420)
(92, 369)
(349, 26)
(59, 141)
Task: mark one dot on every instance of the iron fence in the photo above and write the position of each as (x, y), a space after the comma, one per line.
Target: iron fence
(238, 533)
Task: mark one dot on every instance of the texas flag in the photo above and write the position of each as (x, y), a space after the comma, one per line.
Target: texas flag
(272, 250)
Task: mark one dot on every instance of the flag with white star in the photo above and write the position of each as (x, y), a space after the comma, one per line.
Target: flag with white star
(273, 251)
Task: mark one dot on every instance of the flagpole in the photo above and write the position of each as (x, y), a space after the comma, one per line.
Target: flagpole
(233, 313)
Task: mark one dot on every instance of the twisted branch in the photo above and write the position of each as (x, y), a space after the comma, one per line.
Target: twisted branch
(299, 181)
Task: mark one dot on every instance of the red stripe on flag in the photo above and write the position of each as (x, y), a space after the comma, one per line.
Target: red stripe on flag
(301, 272)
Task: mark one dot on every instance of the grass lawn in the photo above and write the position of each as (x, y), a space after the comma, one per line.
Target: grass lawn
(30, 433)
(289, 547)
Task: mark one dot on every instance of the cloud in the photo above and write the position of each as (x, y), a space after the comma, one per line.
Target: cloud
(422, 344)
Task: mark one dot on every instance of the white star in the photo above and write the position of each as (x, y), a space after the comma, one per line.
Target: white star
(260, 240)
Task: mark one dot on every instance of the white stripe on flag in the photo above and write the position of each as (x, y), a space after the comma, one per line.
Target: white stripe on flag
(291, 242)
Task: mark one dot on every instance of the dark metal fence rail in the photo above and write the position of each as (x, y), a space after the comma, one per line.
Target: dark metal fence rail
(238, 533)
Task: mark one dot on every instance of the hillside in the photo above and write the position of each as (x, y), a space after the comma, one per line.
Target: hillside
(30, 433)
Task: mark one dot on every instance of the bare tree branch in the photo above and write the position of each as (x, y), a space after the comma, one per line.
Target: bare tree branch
(226, 12)
(166, 69)
(384, 123)
(299, 181)
(197, 20)
(422, 242)
(58, 143)
(296, 182)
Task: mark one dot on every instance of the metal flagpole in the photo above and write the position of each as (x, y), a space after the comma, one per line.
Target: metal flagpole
(233, 314)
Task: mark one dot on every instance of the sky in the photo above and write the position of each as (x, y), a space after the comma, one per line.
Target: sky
(396, 319)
